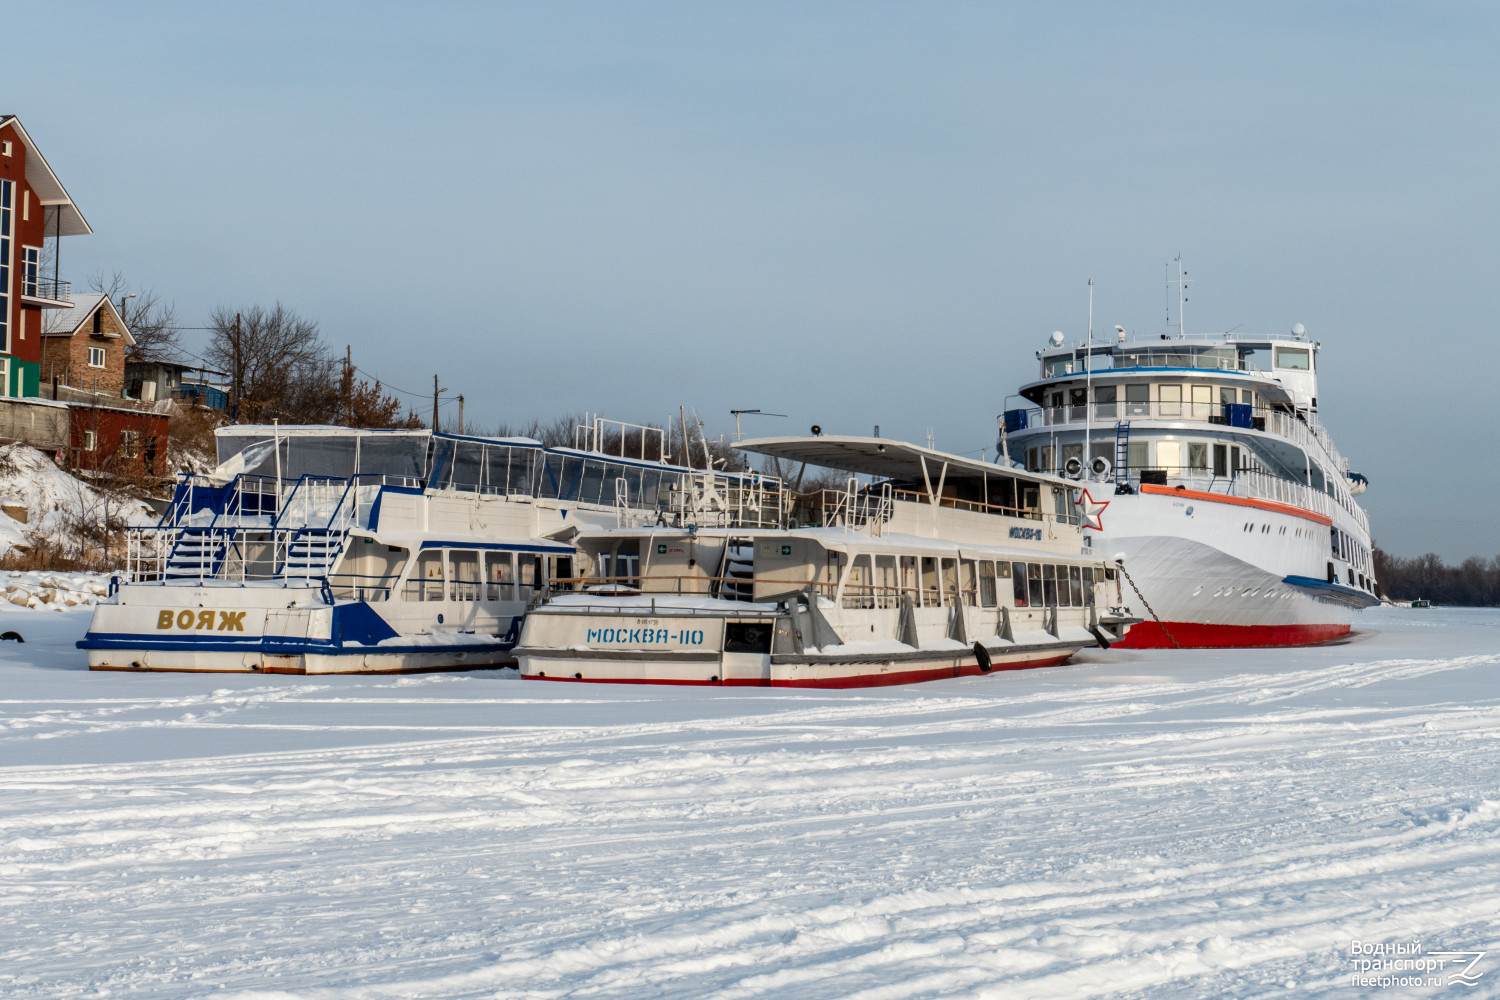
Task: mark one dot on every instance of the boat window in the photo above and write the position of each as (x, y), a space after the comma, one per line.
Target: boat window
(885, 580)
(950, 582)
(1031, 499)
(468, 465)
(1171, 400)
(593, 482)
(1137, 400)
(1169, 455)
(1088, 586)
(986, 584)
(909, 579)
(1018, 585)
(1135, 455)
(1075, 586)
(426, 582)
(1202, 401)
(931, 596)
(1034, 584)
(529, 574)
(968, 582)
(1003, 492)
(857, 592)
(1221, 460)
(1104, 402)
(1226, 396)
(1049, 585)
(500, 576)
(463, 576)
(1292, 357)
(1197, 455)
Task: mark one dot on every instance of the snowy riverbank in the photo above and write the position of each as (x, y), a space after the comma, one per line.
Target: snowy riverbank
(1134, 824)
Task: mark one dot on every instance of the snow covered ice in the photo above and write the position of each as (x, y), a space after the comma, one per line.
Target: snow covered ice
(1153, 824)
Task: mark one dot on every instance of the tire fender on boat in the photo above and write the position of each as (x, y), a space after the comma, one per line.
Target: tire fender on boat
(983, 656)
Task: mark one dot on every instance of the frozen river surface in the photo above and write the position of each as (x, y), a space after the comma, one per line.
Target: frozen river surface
(1153, 824)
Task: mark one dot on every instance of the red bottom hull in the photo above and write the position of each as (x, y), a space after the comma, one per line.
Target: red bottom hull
(840, 681)
(1196, 635)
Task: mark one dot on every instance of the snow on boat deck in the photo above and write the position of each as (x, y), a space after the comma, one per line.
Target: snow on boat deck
(1151, 823)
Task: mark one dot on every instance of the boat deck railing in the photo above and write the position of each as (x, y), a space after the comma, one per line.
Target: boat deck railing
(1304, 430)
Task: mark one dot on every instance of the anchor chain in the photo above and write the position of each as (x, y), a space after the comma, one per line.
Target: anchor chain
(1157, 618)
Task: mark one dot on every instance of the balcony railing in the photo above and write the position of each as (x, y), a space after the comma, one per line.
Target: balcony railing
(1309, 432)
(46, 288)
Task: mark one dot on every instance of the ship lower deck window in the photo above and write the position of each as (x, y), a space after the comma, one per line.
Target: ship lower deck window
(1088, 586)
(463, 576)
(1018, 585)
(858, 589)
(426, 583)
(1197, 456)
(986, 584)
(968, 582)
(931, 596)
(500, 576)
(1034, 584)
(1137, 400)
(1075, 586)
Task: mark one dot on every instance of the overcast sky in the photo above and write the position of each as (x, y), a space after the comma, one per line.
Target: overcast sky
(855, 214)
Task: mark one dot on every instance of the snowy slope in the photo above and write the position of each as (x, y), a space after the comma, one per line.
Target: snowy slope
(54, 500)
(1154, 823)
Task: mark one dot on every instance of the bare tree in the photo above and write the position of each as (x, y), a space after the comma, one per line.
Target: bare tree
(277, 363)
(152, 323)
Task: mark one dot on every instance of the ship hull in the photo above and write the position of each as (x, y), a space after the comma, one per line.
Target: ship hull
(1221, 574)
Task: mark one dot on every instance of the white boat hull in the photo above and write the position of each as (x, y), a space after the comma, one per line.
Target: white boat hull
(1223, 574)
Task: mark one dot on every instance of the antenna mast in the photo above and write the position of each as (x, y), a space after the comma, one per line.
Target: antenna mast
(1088, 386)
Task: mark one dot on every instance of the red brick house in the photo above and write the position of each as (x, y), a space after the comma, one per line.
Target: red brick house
(34, 207)
(84, 347)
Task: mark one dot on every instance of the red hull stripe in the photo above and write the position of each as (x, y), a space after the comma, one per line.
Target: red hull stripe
(1271, 505)
(1196, 635)
(851, 681)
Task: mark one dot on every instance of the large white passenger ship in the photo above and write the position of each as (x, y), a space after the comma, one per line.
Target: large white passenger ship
(1234, 512)
(330, 550)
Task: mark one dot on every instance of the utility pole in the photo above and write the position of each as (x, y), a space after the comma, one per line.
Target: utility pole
(460, 413)
(235, 375)
(348, 386)
(435, 391)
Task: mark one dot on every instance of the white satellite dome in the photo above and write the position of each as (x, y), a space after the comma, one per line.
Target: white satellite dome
(1057, 338)
(1299, 331)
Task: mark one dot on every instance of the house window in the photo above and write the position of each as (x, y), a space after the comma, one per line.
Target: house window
(99, 321)
(5, 147)
(30, 269)
(88, 440)
(130, 443)
(96, 356)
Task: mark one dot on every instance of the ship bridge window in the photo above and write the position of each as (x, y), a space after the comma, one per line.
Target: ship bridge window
(1296, 358)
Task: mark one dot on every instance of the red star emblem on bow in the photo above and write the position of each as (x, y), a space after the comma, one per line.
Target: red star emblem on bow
(1092, 510)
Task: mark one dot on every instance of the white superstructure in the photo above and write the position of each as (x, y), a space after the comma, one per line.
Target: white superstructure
(1236, 514)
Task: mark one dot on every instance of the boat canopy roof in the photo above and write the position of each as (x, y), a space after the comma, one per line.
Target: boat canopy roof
(882, 458)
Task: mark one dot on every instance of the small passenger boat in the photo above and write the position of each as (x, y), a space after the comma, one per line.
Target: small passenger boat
(334, 550)
(932, 566)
